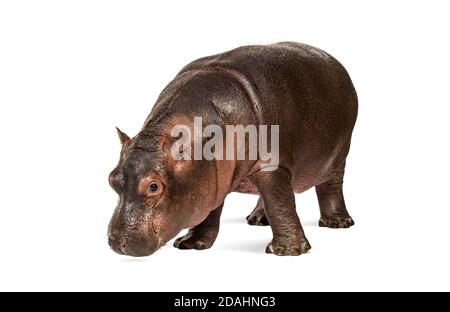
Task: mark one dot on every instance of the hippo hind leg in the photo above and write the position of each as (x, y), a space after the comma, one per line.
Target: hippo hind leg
(203, 235)
(258, 215)
(333, 213)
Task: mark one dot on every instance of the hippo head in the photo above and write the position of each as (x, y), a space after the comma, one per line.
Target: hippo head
(158, 197)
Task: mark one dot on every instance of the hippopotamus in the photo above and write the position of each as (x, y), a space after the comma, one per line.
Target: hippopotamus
(301, 89)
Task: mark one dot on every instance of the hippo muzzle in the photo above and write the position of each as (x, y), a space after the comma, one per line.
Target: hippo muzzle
(132, 236)
(134, 246)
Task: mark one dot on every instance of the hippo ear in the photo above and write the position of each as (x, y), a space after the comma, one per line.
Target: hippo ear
(124, 139)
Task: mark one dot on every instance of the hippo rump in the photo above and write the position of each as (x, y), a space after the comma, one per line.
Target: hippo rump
(301, 89)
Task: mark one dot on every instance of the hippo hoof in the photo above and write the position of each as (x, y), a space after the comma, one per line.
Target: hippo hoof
(288, 249)
(336, 222)
(191, 242)
(257, 217)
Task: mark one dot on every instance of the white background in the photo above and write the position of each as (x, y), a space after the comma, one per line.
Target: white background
(70, 71)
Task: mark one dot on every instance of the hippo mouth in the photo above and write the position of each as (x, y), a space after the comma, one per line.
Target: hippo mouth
(136, 245)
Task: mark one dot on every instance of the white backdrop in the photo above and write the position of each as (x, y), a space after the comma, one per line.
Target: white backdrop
(70, 71)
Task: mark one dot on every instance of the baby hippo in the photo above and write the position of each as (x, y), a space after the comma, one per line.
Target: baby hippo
(271, 120)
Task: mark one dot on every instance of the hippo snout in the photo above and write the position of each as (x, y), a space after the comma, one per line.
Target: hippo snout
(134, 246)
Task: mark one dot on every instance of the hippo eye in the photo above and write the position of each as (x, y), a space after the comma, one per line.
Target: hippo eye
(153, 187)
(149, 186)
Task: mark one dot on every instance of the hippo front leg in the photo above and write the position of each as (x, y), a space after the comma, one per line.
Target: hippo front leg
(203, 235)
(279, 204)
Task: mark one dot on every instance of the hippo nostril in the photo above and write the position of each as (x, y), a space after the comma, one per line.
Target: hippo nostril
(122, 246)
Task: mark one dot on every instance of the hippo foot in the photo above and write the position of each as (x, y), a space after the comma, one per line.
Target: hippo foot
(288, 248)
(191, 241)
(336, 222)
(257, 217)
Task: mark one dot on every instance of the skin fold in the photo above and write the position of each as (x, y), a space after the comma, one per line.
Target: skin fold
(298, 87)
